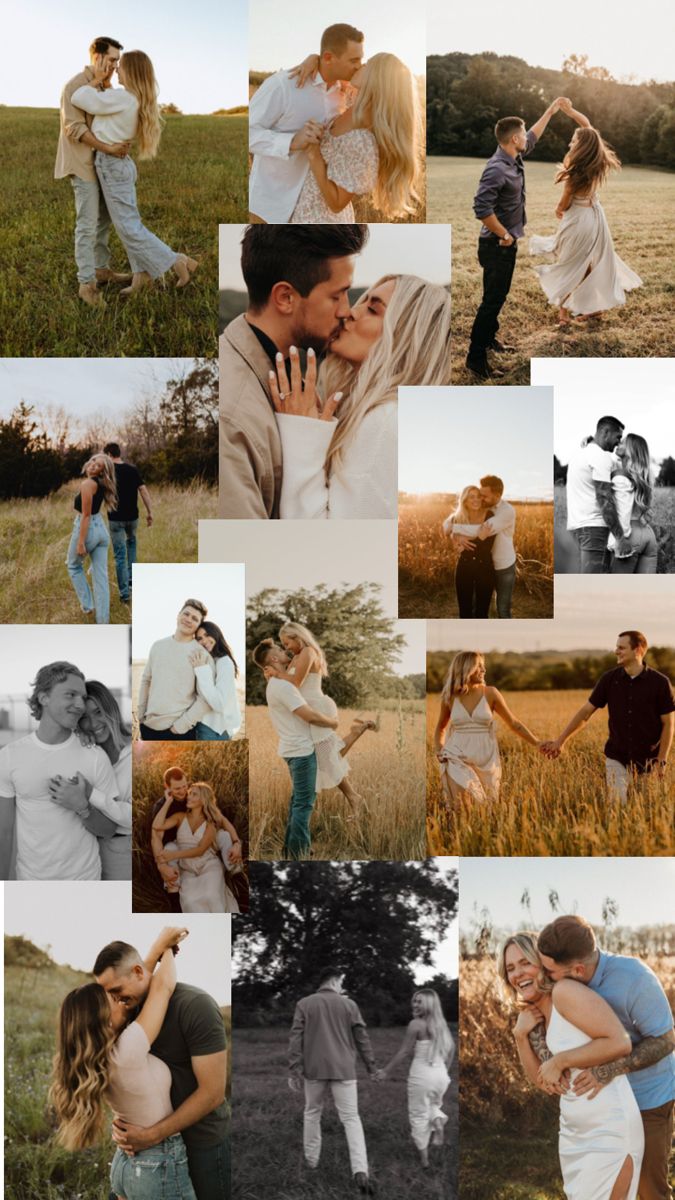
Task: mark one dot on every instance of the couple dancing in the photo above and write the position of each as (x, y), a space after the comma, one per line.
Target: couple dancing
(641, 712)
(188, 687)
(332, 130)
(482, 528)
(610, 488)
(586, 277)
(306, 720)
(153, 1052)
(99, 124)
(65, 789)
(194, 846)
(327, 1033)
(596, 1029)
(324, 447)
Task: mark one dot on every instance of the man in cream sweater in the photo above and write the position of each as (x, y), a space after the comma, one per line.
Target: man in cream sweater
(168, 705)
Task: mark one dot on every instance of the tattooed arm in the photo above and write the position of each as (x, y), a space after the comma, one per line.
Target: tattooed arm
(647, 1052)
(604, 494)
(530, 1036)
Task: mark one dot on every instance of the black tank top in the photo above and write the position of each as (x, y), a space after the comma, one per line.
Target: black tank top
(96, 500)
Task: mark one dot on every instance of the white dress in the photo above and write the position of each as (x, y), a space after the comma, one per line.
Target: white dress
(472, 765)
(352, 160)
(596, 1135)
(202, 880)
(331, 765)
(427, 1084)
(582, 241)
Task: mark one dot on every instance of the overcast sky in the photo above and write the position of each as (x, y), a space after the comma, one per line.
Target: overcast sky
(199, 51)
(626, 39)
(160, 590)
(449, 437)
(100, 651)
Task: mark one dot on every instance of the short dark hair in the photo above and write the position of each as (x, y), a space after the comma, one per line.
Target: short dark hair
(330, 973)
(609, 425)
(506, 127)
(113, 449)
(114, 955)
(636, 639)
(494, 483)
(101, 45)
(175, 772)
(56, 672)
(296, 254)
(196, 604)
(259, 654)
(336, 37)
(567, 939)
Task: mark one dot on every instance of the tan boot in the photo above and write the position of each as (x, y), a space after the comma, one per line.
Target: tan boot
(88, 292)
(184, 268)
(105, 275)
(140, 280)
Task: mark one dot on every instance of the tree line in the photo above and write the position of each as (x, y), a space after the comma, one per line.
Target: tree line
(664, 478)
(544, 670)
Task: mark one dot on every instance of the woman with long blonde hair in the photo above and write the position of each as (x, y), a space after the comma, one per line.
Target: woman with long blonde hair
(431, 1048)
(586, 276)
(90, 536)
(474, 569)
(465, 737)
(339, 435)
(130, 113)
(195, 851)
(633, 489)
(372, 149)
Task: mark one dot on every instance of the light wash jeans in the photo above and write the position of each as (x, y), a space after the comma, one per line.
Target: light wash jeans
(123, 537)
(92, 228)
(145, 251)
(96, 543)
(160, 1173)
(347, 1104)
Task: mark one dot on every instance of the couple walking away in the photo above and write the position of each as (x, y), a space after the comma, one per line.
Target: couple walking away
(327, 1033)
(194, 846)
(306, 720)
(65, 790)
(640, 708)
(153, 1052)
(597, 1030)
(188, 687)
(586, 277)
(99, 125)
(610, 488)
(326, 446)
(333, 130)
(482, 528)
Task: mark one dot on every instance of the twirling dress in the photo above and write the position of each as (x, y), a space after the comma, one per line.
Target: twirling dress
(427, 1083)
(472, 765)
(352, 160)
(596, 1136)
(583, 241)
(202, 881)
(331, 765)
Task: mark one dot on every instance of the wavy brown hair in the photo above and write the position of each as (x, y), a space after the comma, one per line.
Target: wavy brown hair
(81, 1067)
(588, 162)
(140, 80)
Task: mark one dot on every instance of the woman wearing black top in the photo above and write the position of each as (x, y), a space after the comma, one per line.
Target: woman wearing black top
(90, 536)
(474, 572)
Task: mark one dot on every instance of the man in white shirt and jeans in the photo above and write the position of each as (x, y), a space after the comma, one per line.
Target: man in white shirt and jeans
(284, 119)
(503, 525)
(591, 507)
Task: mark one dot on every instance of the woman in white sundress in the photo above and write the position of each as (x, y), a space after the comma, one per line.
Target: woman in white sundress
(195, 851)
(586, 276)
(465, 738)
(633, 490)
(371, 149)
(601, 1140)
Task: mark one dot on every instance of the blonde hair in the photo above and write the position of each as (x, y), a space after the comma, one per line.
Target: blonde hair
(140, 80)
(305, 635)
(588, 162)
(461, 515)
(208, 801)
(638, 468)
(413, 351)
(461, 669)
(527, 944)
(81, 1067)
(107, 479)
(437, 1026)
(388, 104)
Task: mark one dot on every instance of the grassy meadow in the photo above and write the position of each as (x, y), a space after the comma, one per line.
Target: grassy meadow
(34, 583)
(386, 769)
(197, 181)
(267, 1130)
(426, 560)
(635, 201)
(662, 522)
(550, 808)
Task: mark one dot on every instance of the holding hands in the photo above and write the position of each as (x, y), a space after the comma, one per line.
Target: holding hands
(300, 398)
(310, 135)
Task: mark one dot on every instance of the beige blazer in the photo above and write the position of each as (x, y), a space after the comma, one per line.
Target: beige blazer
(250, 446)
(73, 157)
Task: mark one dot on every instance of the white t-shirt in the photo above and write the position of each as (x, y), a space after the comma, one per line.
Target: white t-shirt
(590, 464)
(295, 739)
(52, 842)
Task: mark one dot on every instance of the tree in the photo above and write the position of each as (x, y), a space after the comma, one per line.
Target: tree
(666, 475)
(28, 465)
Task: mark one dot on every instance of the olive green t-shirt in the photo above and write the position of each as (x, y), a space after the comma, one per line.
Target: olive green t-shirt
(193, 1026)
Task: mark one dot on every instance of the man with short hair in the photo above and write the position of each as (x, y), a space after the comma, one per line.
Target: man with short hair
(501, 526)
(326, 1034)
(568, 950)
(193, 1044)
(123, 521)
(169, 705)
(75, 161)
(284, 119)
(640, 706)
(499, 204)
(591, 507)
(298, 279)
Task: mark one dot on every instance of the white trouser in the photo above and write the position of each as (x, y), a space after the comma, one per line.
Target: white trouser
(427, 1085)
(618, 779)
(347, 1104)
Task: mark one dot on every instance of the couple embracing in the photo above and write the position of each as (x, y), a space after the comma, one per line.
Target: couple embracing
(482, 528)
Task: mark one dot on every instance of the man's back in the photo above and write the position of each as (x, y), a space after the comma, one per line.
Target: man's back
(129, 480)
(328, 1029)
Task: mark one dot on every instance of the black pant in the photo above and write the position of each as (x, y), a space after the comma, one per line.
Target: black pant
(164, 735)
(498, 263)
(474, 584)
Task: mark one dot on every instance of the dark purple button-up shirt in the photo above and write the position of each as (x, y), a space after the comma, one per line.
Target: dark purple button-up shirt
(502, 190)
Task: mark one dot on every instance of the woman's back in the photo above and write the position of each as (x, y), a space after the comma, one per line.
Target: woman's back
(140, 1083)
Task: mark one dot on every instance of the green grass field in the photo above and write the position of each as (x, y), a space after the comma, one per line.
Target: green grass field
(662, 521)
(197, 181)
(35, 587)
(639, 203)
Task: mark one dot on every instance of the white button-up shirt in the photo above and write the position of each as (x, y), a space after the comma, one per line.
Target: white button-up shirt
(276, 112)
(503, 524)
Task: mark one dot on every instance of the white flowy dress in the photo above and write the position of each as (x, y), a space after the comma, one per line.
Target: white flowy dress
(202, 879)
(331, 765)
(472, 764)
(428, 1082)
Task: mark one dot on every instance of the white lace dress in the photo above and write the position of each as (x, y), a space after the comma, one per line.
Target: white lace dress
(472, 764)
(331, 765)
(352, 160)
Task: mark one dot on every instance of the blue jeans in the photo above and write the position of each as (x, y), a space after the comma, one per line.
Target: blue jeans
(160, 1173)
(504, 581)
(210, 1171)
(592, 542)
(92, 228)
(96, 544)
(204, 733)
(145, 251)
(123, 537)
(297, 840)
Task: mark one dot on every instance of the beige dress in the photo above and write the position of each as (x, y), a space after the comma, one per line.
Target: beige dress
(352, 161)
(331, 765)
(472, 765)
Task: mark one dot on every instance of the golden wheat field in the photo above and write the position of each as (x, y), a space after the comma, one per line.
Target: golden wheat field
(426, 560)
(550, 808)
(386, 769)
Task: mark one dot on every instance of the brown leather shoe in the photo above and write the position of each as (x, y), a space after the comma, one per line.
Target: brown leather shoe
(105, 275)
(140, 280)
(89, 293)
